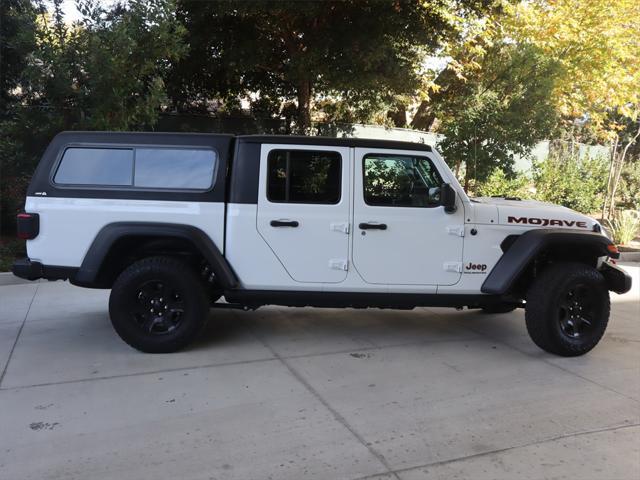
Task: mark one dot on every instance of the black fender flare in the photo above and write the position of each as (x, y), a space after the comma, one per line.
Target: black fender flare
(528, 245)
(109, 234)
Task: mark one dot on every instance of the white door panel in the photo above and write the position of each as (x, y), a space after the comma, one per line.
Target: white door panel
(419, 246)
(311, 241)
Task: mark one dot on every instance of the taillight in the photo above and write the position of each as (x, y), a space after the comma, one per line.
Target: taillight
(28, 225)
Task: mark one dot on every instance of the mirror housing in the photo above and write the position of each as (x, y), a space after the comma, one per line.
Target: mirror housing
(448, 198)
(434, 196)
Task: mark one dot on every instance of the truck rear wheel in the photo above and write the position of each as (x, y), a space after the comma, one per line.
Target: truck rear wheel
(158, 305)
(567, 309)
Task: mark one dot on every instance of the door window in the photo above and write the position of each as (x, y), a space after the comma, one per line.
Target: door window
(304, 176)
(400, 181)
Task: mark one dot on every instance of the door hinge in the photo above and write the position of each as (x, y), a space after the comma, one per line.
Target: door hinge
(340, 227)
(453, 267)
(457, 230)
(339, 264)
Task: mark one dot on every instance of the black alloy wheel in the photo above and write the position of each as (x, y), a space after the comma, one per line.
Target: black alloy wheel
(577, 311)
(159, 304)
(158, 307)
(567, 308)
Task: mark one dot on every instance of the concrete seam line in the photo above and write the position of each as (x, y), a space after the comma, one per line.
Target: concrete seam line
(139, 374)
(223, 364)
(15, 342)
(381, 347)
(339, 418)
(336, 415)
(515, 447)
(547, 362)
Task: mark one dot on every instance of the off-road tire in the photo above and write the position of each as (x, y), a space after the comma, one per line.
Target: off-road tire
(499, 308)
(559, 320)
(172, 290)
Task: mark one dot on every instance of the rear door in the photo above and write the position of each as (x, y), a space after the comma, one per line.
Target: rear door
(303, 209)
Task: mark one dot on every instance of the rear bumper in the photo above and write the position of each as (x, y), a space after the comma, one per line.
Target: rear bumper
(617, 279)
(30, 270)
(25, 268)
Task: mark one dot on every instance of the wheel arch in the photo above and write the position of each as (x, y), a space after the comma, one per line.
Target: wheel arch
(105, 257)
(524, 253)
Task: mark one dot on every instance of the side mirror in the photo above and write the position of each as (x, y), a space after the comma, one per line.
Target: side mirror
(448, 198)
(434, 196)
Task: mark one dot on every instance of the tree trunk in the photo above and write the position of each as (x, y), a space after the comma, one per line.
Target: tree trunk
(457, 168)
(616, 180)
(304, 106)
(467, 179)
(605, 209)
(398, 115)
(424, 117)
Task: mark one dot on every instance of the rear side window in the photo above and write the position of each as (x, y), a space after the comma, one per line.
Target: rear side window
(174, 168)
(96, 166)
(142, 167)
(304, 176)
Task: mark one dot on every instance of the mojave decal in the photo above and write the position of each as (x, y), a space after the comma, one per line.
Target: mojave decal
(543, 222)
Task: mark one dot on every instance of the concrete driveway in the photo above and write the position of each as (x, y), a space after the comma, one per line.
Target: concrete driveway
(285, 393)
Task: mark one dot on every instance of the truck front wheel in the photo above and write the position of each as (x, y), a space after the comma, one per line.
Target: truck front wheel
(567, 309)
(158, 305)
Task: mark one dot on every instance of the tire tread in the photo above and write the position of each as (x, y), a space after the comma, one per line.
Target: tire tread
(164, 266)
(538, 308)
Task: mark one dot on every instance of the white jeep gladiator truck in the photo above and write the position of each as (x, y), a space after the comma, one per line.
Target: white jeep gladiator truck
(173, 222)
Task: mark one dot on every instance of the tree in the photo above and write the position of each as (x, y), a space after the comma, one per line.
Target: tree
(105, 72)
(497, 111)
(17, 42)
(365, 51)
(596, 44)
(622, 144)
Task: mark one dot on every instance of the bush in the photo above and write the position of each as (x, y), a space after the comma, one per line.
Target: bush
(629, 188)
(624, 226)
(499, 185)
(571, 182)
(10, 249)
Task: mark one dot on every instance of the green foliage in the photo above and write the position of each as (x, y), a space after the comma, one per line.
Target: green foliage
(497, 112)
(571, 182)
(624, 227)
(103, 73)
(106, 72)
(10, 249)
(367, 51)
(347, 61)
(17, 41)
(499, 185)
(629, 189)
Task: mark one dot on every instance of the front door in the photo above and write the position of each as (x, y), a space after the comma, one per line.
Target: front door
(401, 236)
(303, 209)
